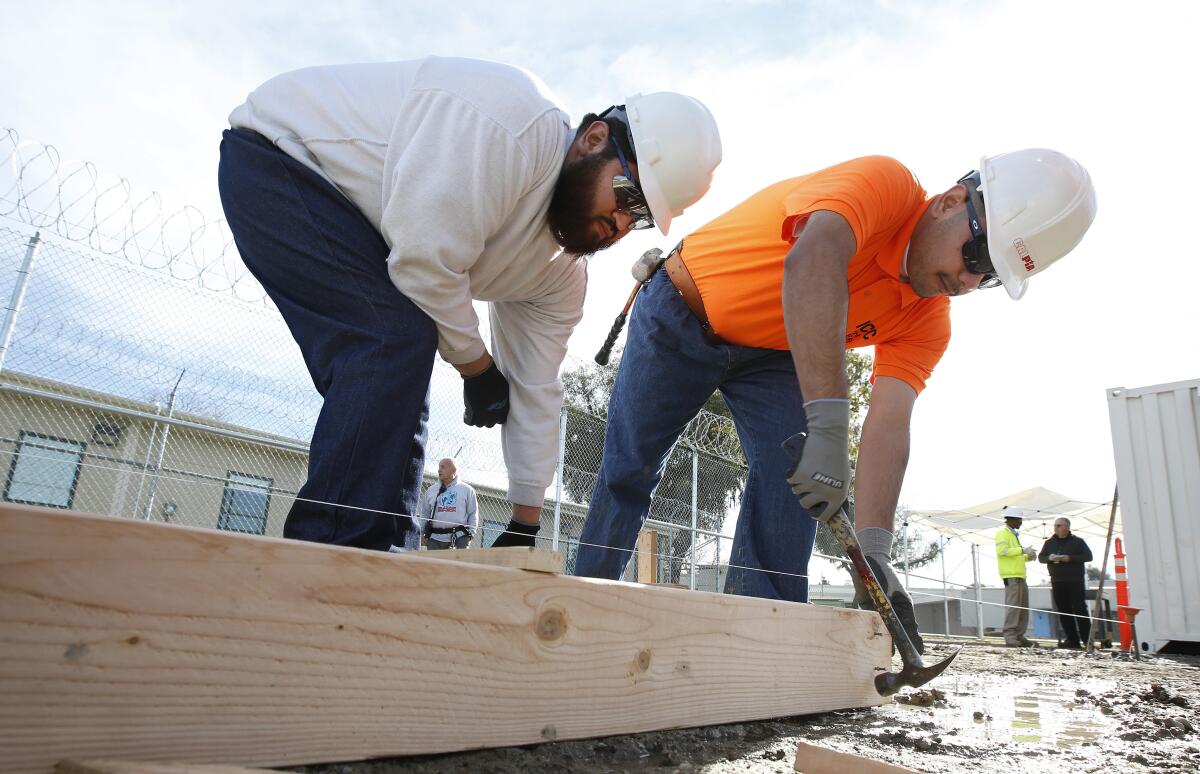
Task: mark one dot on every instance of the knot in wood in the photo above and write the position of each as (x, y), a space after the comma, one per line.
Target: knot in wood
(642, 662)
(551, 625)
(75, 651)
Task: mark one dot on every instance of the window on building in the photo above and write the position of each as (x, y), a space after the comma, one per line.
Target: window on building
(44, 471)
(491, 531)
(245, 503)
(107, 433)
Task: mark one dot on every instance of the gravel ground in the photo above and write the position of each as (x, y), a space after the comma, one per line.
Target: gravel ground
(994, 710)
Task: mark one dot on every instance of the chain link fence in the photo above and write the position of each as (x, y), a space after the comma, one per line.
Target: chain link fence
(688, 510)
(144, 374)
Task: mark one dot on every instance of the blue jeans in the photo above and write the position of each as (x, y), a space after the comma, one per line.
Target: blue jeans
(667, 372)
(368, 348)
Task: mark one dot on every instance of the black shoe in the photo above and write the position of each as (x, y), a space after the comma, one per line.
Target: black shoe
(901, 603)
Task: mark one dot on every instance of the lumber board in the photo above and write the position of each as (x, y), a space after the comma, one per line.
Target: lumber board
(814, 759)
(647, 556)
(94, 766)
(153, 642)
(518, 557)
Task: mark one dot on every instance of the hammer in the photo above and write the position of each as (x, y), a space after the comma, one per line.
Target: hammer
(642, 271)
(914, 673)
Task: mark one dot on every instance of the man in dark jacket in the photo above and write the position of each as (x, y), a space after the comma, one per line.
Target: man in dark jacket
(1065, 555)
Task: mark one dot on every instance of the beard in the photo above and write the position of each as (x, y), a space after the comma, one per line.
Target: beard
(570, 215)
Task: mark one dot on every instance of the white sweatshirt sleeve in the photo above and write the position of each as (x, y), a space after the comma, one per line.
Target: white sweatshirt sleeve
(472, 510)
(456, 180)
(529, 339)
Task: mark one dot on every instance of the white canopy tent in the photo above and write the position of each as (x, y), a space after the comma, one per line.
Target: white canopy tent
(1038, 507)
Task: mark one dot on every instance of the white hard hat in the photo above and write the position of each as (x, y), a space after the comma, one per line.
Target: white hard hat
(677, 146)
(1038, 204)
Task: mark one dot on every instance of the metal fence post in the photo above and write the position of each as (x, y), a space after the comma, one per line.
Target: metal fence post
(978, 589)
(904, 527)
(562, 456)
(1096, 633)
(162, 449)
(717, 565)
(695, 517)
(18, 294)
(945, 591)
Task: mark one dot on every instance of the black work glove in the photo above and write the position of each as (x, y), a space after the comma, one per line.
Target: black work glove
(486, 398)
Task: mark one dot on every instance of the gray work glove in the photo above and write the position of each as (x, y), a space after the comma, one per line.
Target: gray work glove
(820, 477)
(893, 589)
(1030, 552)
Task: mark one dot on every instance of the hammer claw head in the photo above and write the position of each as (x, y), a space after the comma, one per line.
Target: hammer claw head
(911, 676)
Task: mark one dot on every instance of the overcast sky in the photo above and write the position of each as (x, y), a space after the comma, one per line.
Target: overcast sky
(143, 91)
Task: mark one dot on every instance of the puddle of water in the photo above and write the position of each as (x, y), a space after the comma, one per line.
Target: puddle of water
(1030, 710)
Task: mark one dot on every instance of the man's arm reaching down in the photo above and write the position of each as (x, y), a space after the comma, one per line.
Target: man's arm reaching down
(883, 454)
(815, 299)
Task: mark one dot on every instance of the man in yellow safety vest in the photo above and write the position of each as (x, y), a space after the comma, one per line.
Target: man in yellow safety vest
(1011, 558)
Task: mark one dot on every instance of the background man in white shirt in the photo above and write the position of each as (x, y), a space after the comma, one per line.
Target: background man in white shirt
(450, 511)
(374, 202)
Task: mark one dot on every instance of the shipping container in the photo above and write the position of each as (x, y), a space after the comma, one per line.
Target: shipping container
(1156, 445)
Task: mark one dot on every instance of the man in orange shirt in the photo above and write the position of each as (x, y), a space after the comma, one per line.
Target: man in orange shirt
(762, 302)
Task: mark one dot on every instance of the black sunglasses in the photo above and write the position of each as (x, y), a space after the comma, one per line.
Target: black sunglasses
(630, 199)
(975, 250)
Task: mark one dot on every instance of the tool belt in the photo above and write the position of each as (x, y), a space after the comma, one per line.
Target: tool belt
(682, 280)
(450, 530)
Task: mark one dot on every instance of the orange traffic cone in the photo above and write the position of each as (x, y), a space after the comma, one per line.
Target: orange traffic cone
(1124, 617)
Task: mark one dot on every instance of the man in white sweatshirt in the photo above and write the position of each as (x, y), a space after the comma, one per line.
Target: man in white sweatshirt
(374, 202)
(451, 510)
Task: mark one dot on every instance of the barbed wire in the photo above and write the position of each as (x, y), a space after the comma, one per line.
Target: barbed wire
(715, 435)
(76, 201)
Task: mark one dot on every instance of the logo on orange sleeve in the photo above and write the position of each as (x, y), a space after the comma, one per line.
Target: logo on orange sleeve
(865, 331)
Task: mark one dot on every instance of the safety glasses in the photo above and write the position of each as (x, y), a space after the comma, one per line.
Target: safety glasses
(975, 250)
(630, 199)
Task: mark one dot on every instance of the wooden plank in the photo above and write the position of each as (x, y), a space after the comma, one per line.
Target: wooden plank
(94, 766)
(813, 759)
(647, 556)
(517, 557)
(128, 639)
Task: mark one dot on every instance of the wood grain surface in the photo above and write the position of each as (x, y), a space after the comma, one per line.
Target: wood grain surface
(518, 557)
(150, 642)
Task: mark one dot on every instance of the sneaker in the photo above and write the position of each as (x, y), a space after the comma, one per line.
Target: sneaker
(901, 602)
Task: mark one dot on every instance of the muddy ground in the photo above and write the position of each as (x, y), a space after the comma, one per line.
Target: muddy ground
(995, 710)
